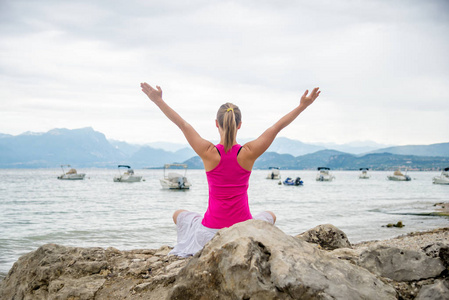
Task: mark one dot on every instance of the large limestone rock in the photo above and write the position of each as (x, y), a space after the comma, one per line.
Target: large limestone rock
(59, 272)
(327, 236)
(400, 264)
(256, 260)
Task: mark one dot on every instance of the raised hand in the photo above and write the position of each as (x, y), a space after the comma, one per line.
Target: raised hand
(155, 95)
(306, 99)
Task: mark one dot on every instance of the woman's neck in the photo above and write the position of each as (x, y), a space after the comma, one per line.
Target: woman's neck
(234, 142)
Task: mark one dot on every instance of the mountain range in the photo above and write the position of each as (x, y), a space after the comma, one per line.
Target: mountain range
(86, 147)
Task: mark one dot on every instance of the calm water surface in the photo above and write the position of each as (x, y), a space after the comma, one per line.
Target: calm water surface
(36, 208)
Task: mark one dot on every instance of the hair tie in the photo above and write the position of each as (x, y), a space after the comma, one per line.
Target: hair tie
(229, 109)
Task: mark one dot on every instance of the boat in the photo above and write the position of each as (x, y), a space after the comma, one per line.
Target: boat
(274, 173)
(364, 173)
(291, 181)
(324, 174)
(398, 176)
(443, 178)
(173, 180)
(127, 176)
(72, 174)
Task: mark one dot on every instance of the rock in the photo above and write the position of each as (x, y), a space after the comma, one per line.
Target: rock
(256, 260)
(327, 236)
(249, 260)
(438, 290)
(55, 270)
(398, 224)
(444, 255)
(400, 264)
(351, 255)
(440, 250)
(58, 272)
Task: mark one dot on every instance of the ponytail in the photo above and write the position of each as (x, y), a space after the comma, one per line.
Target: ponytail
(229, 117)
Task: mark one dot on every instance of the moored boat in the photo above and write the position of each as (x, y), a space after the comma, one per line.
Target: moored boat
(398, 176)
(364, 173)
(274, 173)
(443, 178)
(324, 174)
(72, 174)
(173, 180)
(127, 176)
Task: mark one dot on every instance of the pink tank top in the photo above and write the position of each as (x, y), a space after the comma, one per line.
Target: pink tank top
(228, 191)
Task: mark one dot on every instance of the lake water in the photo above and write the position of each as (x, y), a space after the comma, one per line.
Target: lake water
(36, 208)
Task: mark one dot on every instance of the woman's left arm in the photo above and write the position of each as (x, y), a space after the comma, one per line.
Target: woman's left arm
(201, 146)
(252, 150)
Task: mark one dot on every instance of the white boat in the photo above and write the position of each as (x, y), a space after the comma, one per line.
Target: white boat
(364, 173)
(127, 176)
(173, 180)
(443, 178)
(398, 176)
(324, 174)
(274, 173)
(72, 174)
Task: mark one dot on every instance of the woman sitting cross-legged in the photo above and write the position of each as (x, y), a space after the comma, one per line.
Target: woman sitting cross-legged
(228, 167)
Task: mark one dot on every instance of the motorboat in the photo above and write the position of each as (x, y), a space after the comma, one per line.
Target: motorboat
(291, 181)
(443, 178)
(274, 173)
(72, 174)
(127, 176)
(398, 176)
(173, 180)
(364, 173)
(324, 174)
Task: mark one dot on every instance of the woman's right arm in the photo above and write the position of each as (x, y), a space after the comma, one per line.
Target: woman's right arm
(252, 150)
(204, 148)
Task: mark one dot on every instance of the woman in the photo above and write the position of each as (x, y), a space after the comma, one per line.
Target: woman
(228, 167)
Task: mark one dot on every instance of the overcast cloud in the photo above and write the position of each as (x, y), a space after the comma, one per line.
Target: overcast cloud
(382, 66)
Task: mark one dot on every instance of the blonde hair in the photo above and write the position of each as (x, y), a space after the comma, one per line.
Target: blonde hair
(229, 118)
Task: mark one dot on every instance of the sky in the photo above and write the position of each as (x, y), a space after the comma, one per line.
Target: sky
(382, 67)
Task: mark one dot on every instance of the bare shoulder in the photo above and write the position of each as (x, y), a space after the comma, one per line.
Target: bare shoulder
(211, 157)
(246, 157)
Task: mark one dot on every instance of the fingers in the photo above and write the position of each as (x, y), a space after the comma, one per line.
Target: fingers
(147, 86)
(315, 93)
(148, 89)
(305, 93)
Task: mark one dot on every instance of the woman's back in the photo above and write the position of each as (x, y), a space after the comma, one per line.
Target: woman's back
(228, 186)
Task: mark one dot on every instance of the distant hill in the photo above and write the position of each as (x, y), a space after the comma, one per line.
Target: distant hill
(2, 135)
(86, 147)
(441, 149)
(194, 163)
(172, 147)
(360, 147)
(150, 157)
(286, 161)
(342, 161)
(283, 145)
(83, 147)
(124, 147)
(58, 146)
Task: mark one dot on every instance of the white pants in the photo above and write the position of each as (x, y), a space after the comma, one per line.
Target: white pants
(192, 235)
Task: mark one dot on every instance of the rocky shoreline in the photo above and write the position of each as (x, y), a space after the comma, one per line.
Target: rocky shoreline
(250, 260)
